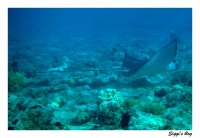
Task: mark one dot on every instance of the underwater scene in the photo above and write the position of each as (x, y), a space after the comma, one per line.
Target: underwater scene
(99, 69)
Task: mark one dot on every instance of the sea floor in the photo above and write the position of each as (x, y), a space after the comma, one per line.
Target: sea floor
(48, 89)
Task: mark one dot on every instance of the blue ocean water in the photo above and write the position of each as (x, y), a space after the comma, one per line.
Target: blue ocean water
(64, 63)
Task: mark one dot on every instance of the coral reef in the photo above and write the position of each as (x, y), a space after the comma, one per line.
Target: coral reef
(81, 118)
(36, 119)
(147, 122)
(183, 77)
(111, 106)
(128, 103)
(154, 108)
(16, 81)
(178, 96)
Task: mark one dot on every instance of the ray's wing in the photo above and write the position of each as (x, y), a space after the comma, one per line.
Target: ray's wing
(159, 61)
(132, 64)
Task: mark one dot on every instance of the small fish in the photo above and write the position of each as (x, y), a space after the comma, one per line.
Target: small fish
(35, 106)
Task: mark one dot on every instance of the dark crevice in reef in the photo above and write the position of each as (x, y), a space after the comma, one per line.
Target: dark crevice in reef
(125, 120)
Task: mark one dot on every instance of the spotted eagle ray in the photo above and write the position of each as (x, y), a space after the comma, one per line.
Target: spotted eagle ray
(157, 64)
